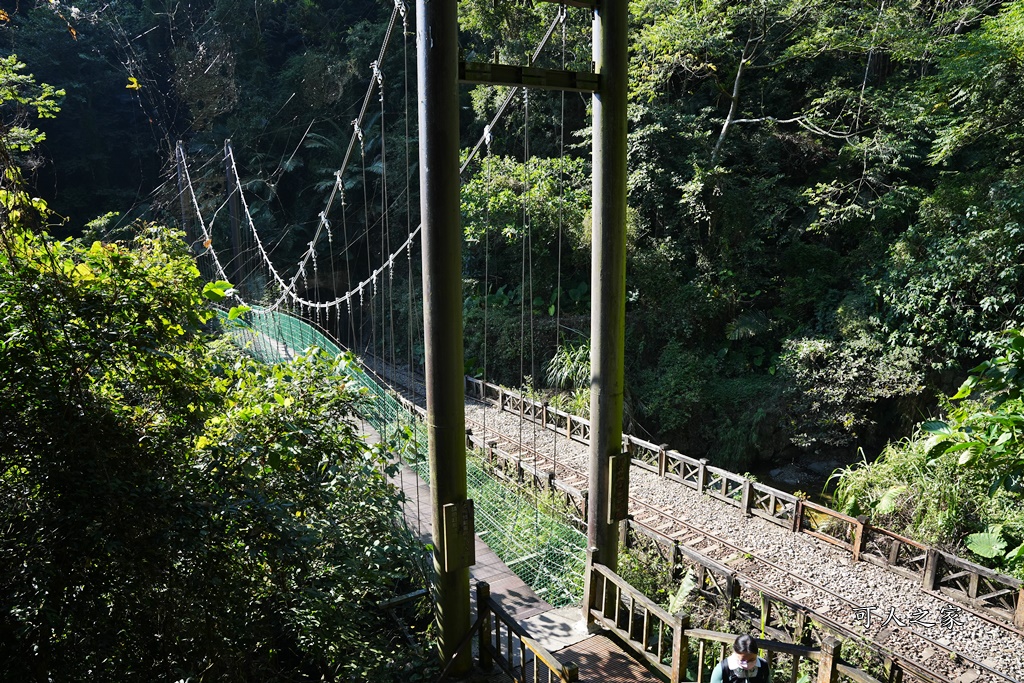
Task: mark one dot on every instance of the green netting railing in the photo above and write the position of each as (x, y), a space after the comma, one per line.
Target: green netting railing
(548, 554)
(273, 337)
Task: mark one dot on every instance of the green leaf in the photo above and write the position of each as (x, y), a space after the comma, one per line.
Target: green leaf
(887, 503)
(1016, 555)
(1003, 438)
(968, 455)
(936, 450)
(937, 427)
(237, 312)
(987, 544)
(965, 389)
(686, 588)
(217, 291)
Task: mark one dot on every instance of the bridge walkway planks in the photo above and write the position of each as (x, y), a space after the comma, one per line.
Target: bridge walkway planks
(561, 631)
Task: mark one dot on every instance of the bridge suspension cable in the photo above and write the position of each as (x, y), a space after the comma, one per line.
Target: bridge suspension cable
(289, 288)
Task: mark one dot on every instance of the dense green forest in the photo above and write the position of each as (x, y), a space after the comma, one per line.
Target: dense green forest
(825, 204)
(169, 508)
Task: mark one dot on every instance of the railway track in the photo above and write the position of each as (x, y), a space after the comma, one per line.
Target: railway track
(760, 574)
(934, 659)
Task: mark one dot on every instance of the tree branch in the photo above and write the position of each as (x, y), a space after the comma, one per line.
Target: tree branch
(735, 99)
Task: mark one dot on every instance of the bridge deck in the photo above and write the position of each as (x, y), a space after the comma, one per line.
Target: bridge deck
(561, 631)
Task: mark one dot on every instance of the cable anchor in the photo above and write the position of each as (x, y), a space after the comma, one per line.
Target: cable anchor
(379, 77)
(359, 134)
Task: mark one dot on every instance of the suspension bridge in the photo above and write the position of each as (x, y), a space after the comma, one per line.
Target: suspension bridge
(602, 488)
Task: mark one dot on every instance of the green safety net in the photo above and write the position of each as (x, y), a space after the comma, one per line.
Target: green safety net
(546, 553)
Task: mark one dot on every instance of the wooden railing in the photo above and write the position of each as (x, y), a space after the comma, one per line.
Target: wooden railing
(504, 642)
(985, 591)
(559, 421)
(737, 595)
(888, 549)
(981, 588)
(511, 467)
(650, 631)
(669, 646)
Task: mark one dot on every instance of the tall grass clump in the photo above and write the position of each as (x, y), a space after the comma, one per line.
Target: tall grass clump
(935, 499)
(905, 491)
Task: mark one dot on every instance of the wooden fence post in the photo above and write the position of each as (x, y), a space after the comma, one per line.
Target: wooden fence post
(702, 475)
(544, 415)
(972, 586)
(732, 594)
(830, 648)
(893, 671)
(572, 672)
(680, 648)
(798, 514)
(483, 613)
(894, 552)
(859, 534)
(1018, 615)
(469, 439)
(745, 501)
(931, 569)
(662, 459)
(589, 586)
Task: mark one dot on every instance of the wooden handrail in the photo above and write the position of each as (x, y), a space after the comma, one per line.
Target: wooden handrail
(487, 606)
(811, 653)
(646, 602)
(1015, 613)
(568, 672)
(827, 656)
(655, 620)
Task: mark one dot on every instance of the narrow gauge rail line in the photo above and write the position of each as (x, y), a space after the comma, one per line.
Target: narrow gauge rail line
(935, 594)
(945, 661)
(752, 558)
(952, 665)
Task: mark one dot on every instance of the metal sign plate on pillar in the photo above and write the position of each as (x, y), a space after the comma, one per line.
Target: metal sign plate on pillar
(459, 540)
(618, 487)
